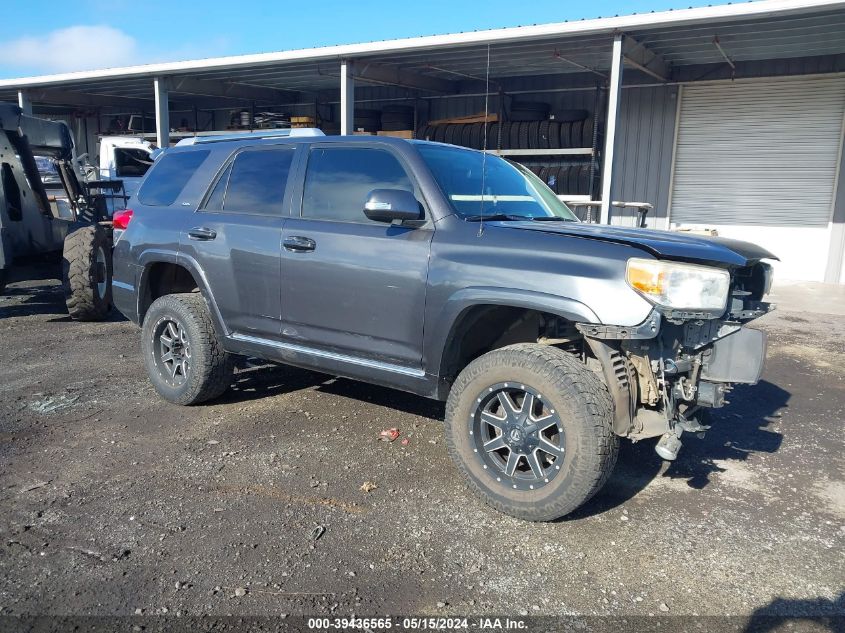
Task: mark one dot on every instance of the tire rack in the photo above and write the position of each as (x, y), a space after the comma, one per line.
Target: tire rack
(543, 161)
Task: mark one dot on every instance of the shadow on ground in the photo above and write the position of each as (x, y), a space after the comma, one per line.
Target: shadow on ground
(41, 300)
(738, 431)
(783, 614)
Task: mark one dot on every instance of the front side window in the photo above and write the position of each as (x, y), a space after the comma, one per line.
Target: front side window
(339, 179)
(478, 186)
(168, 177)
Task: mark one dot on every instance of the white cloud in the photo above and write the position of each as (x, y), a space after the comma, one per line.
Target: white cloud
(72, 48)
(94, 48)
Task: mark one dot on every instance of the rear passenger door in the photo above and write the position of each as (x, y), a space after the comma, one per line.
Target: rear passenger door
(351, 285)
(235, 234)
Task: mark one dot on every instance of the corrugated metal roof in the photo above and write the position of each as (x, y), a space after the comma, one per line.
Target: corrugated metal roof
(769, 29)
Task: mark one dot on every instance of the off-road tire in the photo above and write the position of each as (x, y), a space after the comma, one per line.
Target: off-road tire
(211, 368)
(586, 412)
(82, 274)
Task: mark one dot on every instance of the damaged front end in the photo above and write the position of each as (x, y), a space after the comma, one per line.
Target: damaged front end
(664, 374)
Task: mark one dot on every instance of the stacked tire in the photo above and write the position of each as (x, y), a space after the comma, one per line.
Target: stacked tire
(572, 180)
(529, 111)
(397, 117)
(545, 134)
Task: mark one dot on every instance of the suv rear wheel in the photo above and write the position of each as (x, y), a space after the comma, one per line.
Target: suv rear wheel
(184, 358)
(530, 428)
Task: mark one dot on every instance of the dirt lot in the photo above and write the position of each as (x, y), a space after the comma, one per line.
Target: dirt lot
(116, 503)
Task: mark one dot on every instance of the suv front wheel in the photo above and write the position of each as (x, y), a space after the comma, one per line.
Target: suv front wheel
(184, 358)
(530, 428)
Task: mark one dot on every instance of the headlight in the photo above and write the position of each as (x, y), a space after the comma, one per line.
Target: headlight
(679, 286)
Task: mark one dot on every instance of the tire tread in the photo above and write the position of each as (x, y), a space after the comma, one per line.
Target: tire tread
(81, 298)
(213, 375)
(598, 448)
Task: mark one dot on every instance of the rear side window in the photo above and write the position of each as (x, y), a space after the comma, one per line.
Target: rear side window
(169, 176)
(215, 200)
(254, 183)
(338, 181)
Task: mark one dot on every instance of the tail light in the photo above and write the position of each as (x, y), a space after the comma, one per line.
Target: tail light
(120, 219)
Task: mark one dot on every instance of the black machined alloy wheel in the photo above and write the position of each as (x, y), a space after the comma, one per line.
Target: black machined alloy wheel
(172, 351)
(517, 436)
(185, 359)
(530, 428)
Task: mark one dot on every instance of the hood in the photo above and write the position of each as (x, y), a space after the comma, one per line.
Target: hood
(661, 244)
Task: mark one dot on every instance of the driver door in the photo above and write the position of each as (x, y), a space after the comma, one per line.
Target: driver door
(352, 285)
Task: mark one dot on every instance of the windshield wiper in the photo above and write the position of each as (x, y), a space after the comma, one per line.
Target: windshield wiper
(493, 217)
(552, 218)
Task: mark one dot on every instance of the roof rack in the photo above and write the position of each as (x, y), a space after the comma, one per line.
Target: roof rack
(251, 134)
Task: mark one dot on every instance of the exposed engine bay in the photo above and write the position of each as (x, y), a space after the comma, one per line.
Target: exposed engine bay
(667, 372)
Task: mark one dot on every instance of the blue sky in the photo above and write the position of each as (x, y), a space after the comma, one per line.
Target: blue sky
(40, 36)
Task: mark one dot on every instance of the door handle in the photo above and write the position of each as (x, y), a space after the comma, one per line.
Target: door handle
(299, 244)
(202, 233)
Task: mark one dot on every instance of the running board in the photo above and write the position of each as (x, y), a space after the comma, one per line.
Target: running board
(341, 358)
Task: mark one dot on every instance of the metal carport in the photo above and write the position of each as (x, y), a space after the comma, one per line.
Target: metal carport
(630, 70)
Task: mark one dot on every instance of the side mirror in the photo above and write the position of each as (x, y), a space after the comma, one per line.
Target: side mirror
(389, 205)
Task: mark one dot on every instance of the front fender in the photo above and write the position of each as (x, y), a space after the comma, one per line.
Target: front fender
(467, 298)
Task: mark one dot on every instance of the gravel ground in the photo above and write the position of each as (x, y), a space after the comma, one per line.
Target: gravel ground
(116, 503)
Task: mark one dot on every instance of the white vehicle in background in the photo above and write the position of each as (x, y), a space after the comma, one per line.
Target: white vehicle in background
(125, 158)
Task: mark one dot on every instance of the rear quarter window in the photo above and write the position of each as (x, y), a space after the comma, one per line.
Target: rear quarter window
(168, 177)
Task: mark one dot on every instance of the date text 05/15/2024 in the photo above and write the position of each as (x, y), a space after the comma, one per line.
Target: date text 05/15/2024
(418, 624)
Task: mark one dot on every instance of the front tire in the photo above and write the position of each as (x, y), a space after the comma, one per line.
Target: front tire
(530, 428)
(184, 357)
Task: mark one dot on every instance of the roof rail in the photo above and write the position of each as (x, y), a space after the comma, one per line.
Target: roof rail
(251, 134)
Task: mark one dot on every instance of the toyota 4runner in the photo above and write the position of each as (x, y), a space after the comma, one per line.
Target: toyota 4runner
(447, 273)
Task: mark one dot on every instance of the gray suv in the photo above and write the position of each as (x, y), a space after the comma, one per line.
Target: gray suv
(447, 273)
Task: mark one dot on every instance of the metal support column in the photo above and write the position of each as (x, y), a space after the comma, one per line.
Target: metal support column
(162, 113)
(347, 98)
(610, 128)
(25, 102)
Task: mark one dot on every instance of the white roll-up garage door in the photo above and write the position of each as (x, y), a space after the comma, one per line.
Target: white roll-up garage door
(753, 155)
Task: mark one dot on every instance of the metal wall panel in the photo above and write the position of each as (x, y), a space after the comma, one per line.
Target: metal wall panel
(643, 157)
(759, 153)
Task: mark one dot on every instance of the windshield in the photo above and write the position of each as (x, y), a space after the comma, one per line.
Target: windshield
(511, 191)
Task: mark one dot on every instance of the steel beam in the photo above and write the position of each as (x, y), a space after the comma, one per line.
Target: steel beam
(228, 89)
(394, 76)
(84, 100)
(638, 56)
(162, 110)
(615, 88)
(347, 97)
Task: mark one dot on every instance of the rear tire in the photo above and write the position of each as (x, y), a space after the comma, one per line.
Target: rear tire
(573, 455)
(87, 272)
(185, 361)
